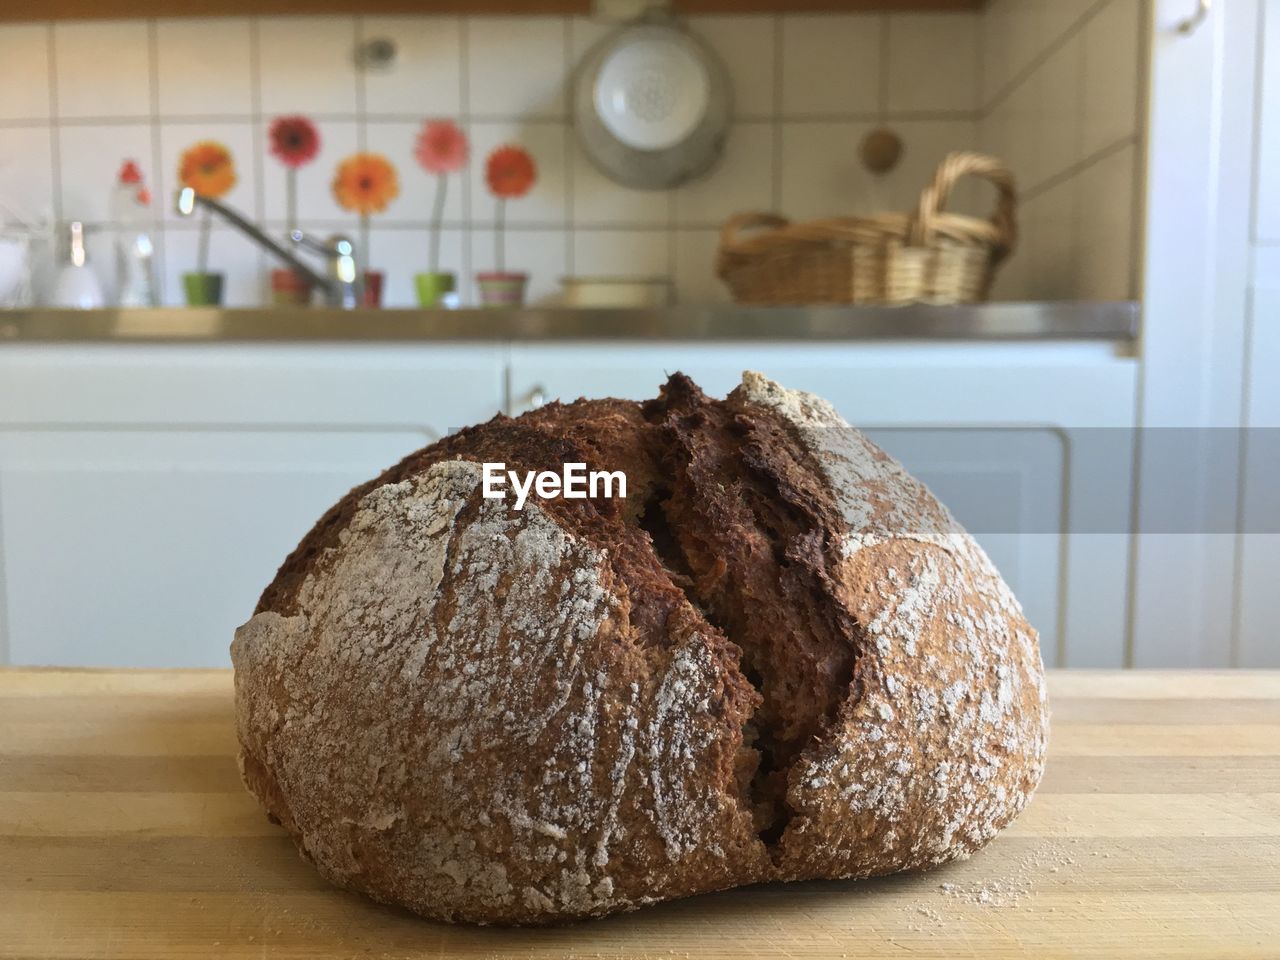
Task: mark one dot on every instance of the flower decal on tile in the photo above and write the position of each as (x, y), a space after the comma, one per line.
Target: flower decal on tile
(510, 172)
(208, 169)
(130, 177)
(365, 183)
(294, 141)
(441, 147)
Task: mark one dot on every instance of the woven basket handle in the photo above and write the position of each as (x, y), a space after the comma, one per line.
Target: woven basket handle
(933, 199)
(748, 221)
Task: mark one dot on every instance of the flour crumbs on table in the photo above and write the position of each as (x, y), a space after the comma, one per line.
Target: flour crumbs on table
(954, 899)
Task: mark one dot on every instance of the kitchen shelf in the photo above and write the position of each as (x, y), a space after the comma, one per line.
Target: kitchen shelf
(105, 9)
(1111, 321)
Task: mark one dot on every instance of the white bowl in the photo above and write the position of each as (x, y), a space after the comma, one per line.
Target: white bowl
(652, 93)
(616, 291)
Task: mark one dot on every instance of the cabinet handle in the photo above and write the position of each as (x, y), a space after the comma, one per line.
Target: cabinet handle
(1190, 24)
(535, 398)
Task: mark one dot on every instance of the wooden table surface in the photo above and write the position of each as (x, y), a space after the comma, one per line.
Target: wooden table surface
(125, 833)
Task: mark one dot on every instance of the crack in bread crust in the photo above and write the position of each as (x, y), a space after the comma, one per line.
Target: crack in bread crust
(758, 666)
(757, 531)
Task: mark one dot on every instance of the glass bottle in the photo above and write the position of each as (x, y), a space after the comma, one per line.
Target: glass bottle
(135, 253)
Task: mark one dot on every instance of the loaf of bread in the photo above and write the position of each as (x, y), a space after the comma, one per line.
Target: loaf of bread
(778, 658)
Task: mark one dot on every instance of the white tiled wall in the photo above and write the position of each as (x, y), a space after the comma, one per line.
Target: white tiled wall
(78, 97)
(1062, 101)
(1053, 87)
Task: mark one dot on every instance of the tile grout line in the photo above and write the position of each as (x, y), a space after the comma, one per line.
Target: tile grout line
(756, 119)
(778, 85)
(672, 223)
(362, 133)
(569, 157)
(256, 137)
(367, 230)
(673, 261)
(465, 286)
(882, 75)
(1075, 226)
(256, 118)
(980, 75)
(554, 226)
(55, 132)
(1077, 168)
(159, 268)
(1040, 58)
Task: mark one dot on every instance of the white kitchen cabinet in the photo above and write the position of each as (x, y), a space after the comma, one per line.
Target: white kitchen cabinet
(1259, 601)
(147, 494)
(1209, 167)
(1018, 439)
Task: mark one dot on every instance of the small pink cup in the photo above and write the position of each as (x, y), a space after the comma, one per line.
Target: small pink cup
(501, 289)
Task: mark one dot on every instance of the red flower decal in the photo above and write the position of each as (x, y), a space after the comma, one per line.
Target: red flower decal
(295, 141)
(510, 172)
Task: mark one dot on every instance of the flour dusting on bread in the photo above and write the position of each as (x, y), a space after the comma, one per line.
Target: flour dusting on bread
(929, 763)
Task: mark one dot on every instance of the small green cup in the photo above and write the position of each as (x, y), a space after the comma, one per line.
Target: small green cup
(434, 287)
(203, 289)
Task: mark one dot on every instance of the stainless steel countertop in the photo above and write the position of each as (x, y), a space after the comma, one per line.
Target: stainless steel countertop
(1116, 321)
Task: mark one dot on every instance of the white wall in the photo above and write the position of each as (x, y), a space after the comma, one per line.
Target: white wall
(1062, 92)
(77, 97)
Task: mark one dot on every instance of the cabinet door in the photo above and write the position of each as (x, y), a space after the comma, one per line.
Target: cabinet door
(1259, 600)
(148, 495)
(994, 430)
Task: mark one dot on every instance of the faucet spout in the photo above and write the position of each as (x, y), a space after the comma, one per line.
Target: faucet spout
(188, 200)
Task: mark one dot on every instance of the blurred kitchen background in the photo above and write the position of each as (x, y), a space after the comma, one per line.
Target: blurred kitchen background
(1054, 89)
(1073, 338)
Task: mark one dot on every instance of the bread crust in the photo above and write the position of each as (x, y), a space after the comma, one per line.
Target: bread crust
(778, 659)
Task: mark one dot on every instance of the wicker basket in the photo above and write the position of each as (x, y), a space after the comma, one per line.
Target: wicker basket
(930, 256)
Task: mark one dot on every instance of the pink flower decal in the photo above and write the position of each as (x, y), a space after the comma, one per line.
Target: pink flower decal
(441, 147)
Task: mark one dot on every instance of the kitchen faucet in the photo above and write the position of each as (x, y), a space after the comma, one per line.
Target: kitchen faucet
(341, 288)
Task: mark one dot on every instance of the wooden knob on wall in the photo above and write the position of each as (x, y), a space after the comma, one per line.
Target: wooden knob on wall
(881, 150)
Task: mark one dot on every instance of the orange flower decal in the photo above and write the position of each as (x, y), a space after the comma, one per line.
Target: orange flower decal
(510, 172)
(365, 183)
(207, 168)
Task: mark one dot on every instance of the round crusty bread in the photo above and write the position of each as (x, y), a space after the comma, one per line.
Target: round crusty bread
(778, 658)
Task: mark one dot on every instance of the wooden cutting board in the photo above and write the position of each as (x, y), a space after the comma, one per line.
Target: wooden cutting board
(125, 833)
